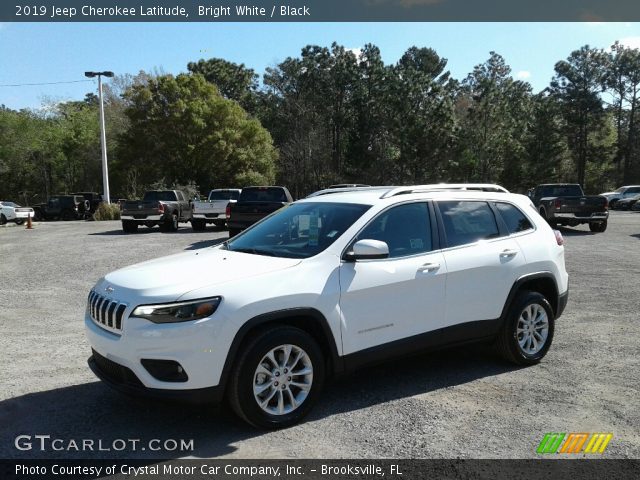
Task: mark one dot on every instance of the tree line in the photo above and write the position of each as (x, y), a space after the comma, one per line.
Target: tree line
(334, 115)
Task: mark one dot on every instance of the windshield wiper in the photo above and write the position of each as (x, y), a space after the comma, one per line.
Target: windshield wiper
(255, 251)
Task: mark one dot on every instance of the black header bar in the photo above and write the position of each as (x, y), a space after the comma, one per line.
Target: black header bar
(319, 10)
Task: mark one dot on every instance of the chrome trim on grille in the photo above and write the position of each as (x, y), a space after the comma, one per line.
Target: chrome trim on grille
(106, 312)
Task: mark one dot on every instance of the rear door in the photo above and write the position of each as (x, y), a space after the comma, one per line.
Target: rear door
(482, 262)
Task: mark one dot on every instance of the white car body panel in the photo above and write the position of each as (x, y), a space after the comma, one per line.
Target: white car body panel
(357, 299)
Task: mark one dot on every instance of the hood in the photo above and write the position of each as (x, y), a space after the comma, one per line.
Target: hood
(606, 194)
(168, 278)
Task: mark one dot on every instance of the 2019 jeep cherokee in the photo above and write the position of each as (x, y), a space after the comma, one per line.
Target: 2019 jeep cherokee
(326, 285)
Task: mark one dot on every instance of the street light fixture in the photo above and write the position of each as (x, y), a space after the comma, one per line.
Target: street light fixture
(103, 136)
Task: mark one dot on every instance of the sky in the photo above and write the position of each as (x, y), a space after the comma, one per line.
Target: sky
(61, 52)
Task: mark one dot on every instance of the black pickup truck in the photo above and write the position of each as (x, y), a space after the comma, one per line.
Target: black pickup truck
(62, 207)
(166, 208)
(566, 204)
(254, 204)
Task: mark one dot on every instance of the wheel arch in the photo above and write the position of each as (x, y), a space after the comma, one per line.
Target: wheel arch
(541, 282)
(308, 320)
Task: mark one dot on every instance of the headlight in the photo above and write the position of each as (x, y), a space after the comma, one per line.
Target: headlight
(178, 312)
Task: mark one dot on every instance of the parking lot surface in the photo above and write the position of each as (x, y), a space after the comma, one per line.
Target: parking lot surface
(460, 403)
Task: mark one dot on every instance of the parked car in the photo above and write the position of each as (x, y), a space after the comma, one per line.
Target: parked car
(566, 204)
(626, 203)
(325, 286)
(254, 204)
(63, 207)
(166, 208)
(12, 212)
(621, 193)
(94, 199)
(214, 209)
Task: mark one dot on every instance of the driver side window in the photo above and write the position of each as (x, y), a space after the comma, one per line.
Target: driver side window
(405, 229)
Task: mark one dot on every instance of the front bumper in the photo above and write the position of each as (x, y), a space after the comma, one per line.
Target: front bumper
(196, 346)
(122, 379)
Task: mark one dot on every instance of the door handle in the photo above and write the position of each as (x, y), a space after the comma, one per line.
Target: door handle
(509, 253)
(429, 267)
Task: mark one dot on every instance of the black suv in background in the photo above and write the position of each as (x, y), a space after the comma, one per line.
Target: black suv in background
(93, 198)
(63, 207)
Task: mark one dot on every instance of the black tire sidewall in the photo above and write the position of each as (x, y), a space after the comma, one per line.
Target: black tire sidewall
(3, 219)
(246, 367)
(521, 302)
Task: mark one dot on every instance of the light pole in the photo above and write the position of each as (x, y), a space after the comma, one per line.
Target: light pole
(103, 135)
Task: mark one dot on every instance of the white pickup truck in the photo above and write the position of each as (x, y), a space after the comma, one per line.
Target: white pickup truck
(213, 210)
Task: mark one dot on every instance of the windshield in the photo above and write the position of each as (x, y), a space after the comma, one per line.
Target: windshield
(621, 189)
(224, 195)
(298, 231)
(166, 196)
(9, 204)
(263, 194)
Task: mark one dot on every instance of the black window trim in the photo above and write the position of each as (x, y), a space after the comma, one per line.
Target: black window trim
(435, 237)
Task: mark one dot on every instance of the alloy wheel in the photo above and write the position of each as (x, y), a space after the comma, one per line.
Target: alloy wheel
(532, 329)
(283, 379)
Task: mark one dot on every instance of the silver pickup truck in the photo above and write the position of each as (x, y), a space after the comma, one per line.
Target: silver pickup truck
(213, 210)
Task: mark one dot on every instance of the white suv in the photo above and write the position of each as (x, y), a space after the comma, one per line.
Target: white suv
(341, 279)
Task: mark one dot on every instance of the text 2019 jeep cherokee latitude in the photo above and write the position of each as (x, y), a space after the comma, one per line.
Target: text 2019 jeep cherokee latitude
(328, 284)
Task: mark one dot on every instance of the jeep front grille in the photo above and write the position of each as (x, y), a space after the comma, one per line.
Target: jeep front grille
(106, 312)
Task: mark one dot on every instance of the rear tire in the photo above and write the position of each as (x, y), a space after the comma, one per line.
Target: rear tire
(3, 219)
(67, 215)
(19, 221)
(598, 227)
(198, 225)
(233, 232)
(527, 331)
(277, 378)
(171, 223)
(129, 227)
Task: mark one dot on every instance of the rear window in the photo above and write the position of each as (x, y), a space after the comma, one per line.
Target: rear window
(263, 194)
(515, 220)
(165, 196)
(561, 191)
(224, 195)
(467, 222)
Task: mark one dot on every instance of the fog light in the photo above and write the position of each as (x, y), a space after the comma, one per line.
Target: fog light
(165, 370)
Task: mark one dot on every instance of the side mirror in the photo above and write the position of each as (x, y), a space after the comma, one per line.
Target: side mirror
(368, 250)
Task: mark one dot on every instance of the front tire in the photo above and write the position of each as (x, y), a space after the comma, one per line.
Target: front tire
(3, 219)
(277, 378)
(598, 227)
(527, 331)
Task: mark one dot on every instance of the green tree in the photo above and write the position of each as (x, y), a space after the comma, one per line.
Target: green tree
(234, 81)
(578, 84)
(182, 129)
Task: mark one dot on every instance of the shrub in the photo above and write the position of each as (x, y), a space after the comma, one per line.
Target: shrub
(107, 211)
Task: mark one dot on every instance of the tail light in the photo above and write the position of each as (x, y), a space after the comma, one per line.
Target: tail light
(160, 208)
(558, 203)
(606, 203)
(227, 211)
(559, 238)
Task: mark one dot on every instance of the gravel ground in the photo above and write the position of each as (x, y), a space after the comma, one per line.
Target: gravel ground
(461, 403)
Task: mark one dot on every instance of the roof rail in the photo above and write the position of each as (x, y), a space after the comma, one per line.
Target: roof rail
(481, 187)
(328, 191)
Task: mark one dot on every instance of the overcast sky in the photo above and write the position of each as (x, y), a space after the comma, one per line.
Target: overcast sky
(61, 52)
